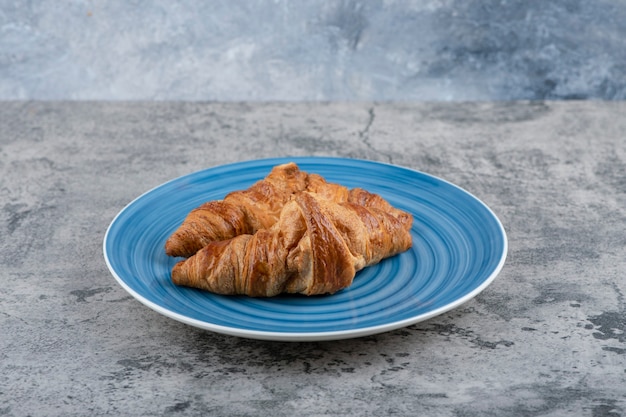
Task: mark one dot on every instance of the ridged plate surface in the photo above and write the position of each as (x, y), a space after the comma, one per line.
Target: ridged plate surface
(459, 246)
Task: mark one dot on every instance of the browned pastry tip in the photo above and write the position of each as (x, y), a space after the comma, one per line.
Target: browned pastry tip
(212, 221)
(370, 200)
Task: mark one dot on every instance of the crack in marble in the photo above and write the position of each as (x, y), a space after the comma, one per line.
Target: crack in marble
(364, 135)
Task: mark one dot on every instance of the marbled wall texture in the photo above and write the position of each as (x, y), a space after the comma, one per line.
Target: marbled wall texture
(314, 50)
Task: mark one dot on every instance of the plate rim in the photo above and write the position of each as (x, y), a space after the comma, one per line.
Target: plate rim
(308, 336)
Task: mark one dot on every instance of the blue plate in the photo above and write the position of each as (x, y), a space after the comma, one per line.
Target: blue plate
(459, 246)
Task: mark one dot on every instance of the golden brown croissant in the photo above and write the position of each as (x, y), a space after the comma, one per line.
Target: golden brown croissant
(315, 247)
(246, 211)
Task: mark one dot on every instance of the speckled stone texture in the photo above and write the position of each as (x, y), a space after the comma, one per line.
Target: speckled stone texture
(547, 338)
(313, 50)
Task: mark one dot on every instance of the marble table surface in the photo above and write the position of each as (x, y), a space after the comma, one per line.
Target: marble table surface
(546, 338)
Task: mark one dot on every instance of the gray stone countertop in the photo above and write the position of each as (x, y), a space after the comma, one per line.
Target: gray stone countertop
(546, 338)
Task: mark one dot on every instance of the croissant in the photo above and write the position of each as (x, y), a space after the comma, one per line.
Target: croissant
(246, 211)
(316, 247)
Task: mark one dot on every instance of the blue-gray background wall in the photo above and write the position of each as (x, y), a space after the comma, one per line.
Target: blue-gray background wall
(313, 50)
